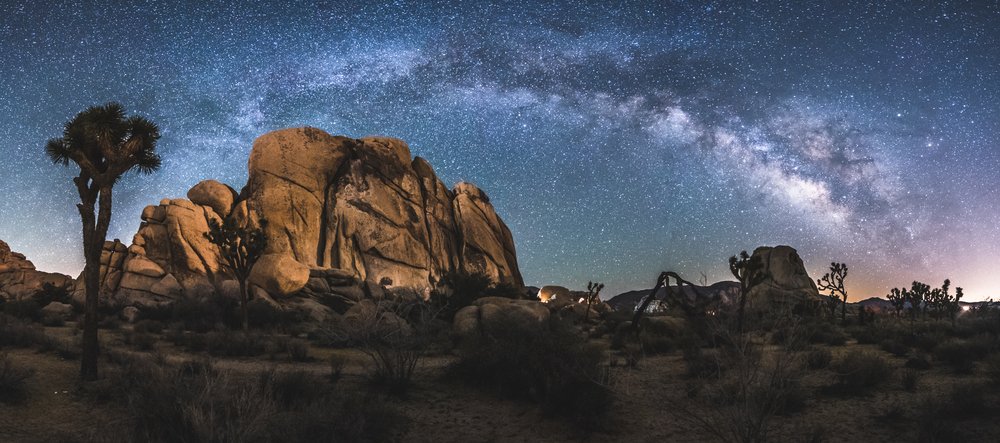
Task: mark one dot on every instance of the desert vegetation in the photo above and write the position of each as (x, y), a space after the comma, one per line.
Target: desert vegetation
(192, 373)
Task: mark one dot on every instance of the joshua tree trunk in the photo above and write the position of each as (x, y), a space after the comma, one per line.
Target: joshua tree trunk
(843, 310)
(94, 233)
(244, 297)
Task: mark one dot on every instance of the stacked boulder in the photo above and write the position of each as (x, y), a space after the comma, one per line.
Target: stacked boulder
(347, 219)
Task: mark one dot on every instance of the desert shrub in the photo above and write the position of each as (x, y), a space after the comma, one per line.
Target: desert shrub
(970, 327)
(653, 344)
(13, 380)
(894, 347)
(142, 341)
(918, 362)
(860, 371)
(337, 363)
(52, 320)
(909, 379)
(959, 355)
(925, 342)
(203, 407)
(109, 322)
(699, 364)
(24, 309)
(825, 332)
(741, 400)
(992, 368)
(203, 315)
(394, 347)
(195, 402)
(18, 333)
(819, 358)
(354, 418)
(331, 333)
(939, 416)
(298, 350)
(549, 364)
(235, 344)
(656, 337)
(289, 388)
(148, 326)
(264, 315)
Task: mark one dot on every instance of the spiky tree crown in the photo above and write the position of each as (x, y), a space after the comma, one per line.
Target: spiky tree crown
(106, 144)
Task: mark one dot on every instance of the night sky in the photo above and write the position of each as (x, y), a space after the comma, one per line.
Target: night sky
(615, 141)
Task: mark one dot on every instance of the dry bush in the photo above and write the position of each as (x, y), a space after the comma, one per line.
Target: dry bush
(546, 363)
(13, 380)
(393, 346)
(939, 416)
(739, 403)
(20, 334)
(819, 358)
(194, 401)
(961, 356)
(859, 372)
(298, 350)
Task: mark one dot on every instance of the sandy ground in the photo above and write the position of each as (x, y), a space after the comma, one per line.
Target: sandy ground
(649, 399)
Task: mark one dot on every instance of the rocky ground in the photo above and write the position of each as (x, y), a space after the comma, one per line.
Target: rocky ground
(651, 399)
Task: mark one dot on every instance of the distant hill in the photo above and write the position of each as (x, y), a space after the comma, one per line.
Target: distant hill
(628, 300)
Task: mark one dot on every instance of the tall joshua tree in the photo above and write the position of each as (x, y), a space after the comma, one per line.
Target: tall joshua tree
(240, 246)
(749, 271)
(833, 281)
(104, 144)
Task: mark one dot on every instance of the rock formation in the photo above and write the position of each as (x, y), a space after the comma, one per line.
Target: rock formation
(787, 281)
(347, 219)
(20, 280)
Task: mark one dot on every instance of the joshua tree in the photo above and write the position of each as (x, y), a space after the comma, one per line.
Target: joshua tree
(954, 307)
(748, 270)
(593, 294)
(240, 247)
(919, 294)
(898, 299)
(833, 281)
(104, 144)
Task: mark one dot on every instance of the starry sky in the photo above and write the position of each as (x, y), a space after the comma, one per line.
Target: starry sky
(616, 141)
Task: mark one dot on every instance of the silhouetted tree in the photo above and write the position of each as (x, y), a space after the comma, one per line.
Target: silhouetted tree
(955, 307)
(104, 144)
(749, 272)
(593, 294)
(898, 299)
(833, 281)
(240, 246)
(919, 293)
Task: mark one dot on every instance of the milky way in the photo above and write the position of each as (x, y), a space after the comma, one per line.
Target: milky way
(616, 141)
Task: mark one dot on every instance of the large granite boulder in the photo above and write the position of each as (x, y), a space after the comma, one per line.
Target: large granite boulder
(787, 283)
(19, 279)
(485, 312)
(350, 218)
(279, 274)
(213, 194)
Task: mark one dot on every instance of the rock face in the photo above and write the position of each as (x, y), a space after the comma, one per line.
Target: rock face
(787, 281)
(346, 219)
(20, 280)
